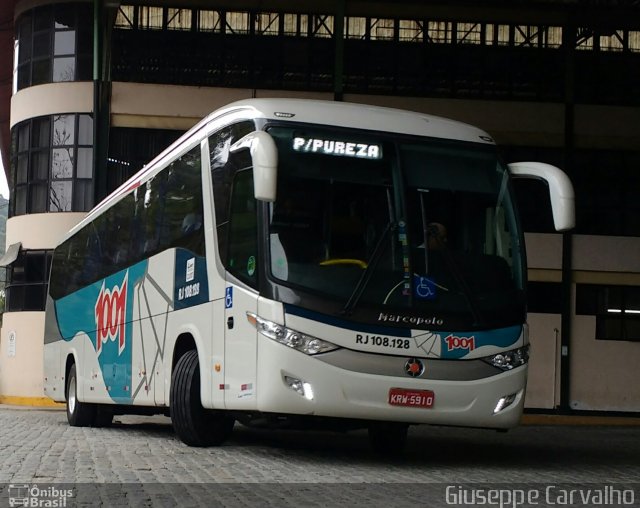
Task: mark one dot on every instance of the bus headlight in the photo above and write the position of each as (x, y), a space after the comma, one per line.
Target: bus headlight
(300, 341)
(509, 359)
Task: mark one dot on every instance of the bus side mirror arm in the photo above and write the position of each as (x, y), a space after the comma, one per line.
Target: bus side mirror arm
(560, 190)
(264, 156)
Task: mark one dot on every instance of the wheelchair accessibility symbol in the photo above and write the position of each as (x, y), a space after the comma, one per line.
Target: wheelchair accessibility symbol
(228, 298)
(424, 288)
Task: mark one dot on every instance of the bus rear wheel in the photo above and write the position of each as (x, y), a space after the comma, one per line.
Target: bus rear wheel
(79, 414)
(195, 425)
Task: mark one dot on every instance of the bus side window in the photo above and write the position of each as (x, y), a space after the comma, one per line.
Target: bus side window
(59, 282)
(224, 166)
(183, 211)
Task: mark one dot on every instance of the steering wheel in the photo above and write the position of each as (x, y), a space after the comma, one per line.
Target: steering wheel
(344, 261)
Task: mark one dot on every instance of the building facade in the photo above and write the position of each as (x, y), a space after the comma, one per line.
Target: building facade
(98, 88)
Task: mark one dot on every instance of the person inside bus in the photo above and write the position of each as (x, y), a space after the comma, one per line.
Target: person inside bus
(434, 257)
(436, 236)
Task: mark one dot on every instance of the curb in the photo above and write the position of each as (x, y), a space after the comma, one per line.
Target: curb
(579, 420)
(33, 402)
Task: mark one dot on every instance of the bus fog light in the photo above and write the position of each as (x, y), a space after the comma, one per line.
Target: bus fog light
(295, 384)
(504, 403)
(308, 391)
(301, 387)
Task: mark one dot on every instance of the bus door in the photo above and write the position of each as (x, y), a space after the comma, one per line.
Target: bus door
(240, 350)
(242, 263)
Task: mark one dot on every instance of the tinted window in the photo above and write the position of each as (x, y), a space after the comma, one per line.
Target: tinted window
(27, 279)
(224, 166)
(616, 308)
(164, 212)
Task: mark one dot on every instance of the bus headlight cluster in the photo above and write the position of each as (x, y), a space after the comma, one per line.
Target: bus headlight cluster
(509, 359)
(300, 341)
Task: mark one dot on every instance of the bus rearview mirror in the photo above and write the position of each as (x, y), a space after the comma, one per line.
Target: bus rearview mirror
(264, 157)
(560, 190)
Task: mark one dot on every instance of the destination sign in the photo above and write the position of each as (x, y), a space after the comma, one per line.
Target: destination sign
(335, 147)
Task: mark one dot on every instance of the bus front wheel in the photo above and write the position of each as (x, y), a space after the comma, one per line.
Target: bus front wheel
(195, 425)
(79, 414)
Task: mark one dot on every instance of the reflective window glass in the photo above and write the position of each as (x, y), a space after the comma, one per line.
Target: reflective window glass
(62, 163)
(42, 19)
(54, 44)
(85, 163)
(40, 165)
(85, 130)
(63, 130)
(64, 16)
(38, 198)
(60, 196)
(41, 72)
(41, 45)
(83, 195)
(22, 169)
(27, 280)
(47, 163)
(64, 69)
(64, 43)
(41, 133)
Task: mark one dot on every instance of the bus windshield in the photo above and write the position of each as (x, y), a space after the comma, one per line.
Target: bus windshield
(400, 223)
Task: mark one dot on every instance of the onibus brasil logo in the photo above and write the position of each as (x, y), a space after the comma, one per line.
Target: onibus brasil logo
(110, 314)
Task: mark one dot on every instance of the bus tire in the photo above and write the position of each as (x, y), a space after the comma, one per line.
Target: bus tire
(79, 414)
(193, 424)
(388, 438)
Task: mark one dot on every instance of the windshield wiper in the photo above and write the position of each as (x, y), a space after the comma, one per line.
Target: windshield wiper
(361, 285)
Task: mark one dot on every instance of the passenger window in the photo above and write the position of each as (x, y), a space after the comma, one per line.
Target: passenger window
(224, 166)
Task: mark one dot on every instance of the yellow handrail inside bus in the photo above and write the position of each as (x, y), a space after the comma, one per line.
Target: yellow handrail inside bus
(344, 261)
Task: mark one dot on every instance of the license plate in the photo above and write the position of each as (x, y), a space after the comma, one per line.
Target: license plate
(411, 398)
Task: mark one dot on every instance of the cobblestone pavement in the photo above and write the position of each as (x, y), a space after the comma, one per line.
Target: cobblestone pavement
(140, 462)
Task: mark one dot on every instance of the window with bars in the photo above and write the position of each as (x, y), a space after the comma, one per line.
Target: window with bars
(616, 308)
(469, 33)
(53, 44)
(52, 164)
(410, 30)
(518, 60)
(321, 25)
(27, 279)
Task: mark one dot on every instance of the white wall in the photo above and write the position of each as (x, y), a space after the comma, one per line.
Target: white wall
(21, 373)
(41, 230)
(51, 99)
(604, 373)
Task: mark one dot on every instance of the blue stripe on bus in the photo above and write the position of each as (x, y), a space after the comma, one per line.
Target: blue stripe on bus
(453, 345)
(347, 325)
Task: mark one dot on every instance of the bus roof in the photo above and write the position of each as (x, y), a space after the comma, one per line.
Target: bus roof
(330, 113)
(358, 116)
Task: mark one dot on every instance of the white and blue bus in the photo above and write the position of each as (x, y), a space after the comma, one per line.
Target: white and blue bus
(301, 262)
